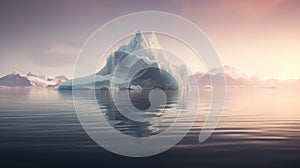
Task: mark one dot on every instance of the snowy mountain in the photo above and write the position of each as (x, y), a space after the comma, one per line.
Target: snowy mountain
(136, 65)
(234, 77)
(17, 79)
(230, 71)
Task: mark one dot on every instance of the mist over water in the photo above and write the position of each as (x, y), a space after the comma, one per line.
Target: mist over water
(259, 127)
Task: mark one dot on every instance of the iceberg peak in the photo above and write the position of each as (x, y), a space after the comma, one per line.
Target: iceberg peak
(141, 41)
(153, 41)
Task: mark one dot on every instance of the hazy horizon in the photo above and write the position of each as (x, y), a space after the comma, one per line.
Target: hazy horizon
(259, 38)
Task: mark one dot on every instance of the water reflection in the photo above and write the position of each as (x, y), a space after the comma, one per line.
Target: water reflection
(160, 117)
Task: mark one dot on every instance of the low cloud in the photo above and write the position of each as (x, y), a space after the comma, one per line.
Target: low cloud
(250, 9)
(56, 55)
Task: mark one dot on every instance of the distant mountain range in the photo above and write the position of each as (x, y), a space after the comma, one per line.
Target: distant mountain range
(17, 79)
(235, 78)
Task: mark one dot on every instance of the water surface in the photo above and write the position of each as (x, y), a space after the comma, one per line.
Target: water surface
(258, 128)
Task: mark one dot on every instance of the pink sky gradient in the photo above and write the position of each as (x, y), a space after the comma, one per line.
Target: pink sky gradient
(260, 38)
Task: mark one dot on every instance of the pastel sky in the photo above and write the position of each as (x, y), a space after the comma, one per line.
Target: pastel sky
(260, 38)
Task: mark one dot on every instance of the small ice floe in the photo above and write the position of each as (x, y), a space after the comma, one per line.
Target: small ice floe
(208, 86)
(135, 87)
(271, 86)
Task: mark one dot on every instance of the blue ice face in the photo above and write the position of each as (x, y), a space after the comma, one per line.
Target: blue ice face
(151, 78)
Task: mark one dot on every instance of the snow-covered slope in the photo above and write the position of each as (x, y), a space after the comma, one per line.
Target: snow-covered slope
(17, 79)
(139, 64)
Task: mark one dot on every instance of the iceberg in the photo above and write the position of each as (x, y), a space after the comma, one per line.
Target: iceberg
(140, 64)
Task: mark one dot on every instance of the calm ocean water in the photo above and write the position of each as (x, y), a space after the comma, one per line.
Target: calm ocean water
(258, 128)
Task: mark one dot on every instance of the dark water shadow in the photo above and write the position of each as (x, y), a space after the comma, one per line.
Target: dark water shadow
(139, 99)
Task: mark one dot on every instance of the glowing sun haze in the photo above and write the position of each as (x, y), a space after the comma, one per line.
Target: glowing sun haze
(260, 38)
